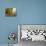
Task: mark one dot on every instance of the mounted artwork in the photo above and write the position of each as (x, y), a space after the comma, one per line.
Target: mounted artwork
(10, 11)
(32, 32)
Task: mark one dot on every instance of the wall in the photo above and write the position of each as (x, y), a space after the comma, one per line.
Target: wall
(28, 12)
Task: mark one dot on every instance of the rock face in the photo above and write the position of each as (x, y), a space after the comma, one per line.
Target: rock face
(10, 11)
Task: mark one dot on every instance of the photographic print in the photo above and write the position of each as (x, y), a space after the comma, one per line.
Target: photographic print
(10, 11)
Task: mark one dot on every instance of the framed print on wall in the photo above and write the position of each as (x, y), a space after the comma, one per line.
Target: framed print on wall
(32, 32)
(10, 11)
